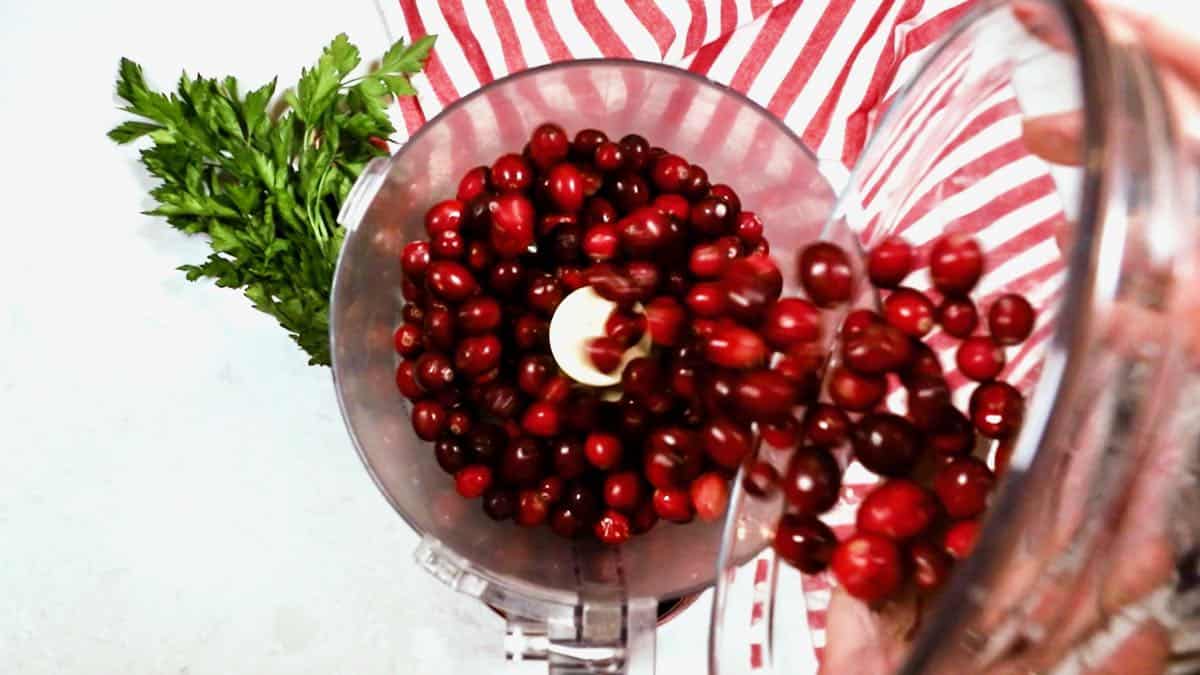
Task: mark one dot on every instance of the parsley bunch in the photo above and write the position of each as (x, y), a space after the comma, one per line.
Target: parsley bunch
(266, 185)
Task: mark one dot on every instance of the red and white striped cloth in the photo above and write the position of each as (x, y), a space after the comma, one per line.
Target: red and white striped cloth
(829, 69)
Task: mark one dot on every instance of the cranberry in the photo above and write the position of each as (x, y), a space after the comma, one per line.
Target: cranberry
(791, 320)
(706, 299)
(930, 566)
(448, 245)
(805, 542)
(473, 183)
(877, 349)
(960, 538)
(781, 433)
(697, 184)
(609, 157)
(439, 329)
(582, 501)
(707, 261)
(628, 191)
(996, 408)
(556, 390)
(710, 216)
(612, 528)
(501, 400)
(868, 566)
(551, 489)
(924, 363)
(586, 141)
(635, 148)
(592, 181)
(858, 321)
(910, 311)
(674, 206)
(601, 242)
(749, 228)
(531, 332)
(451, 454)
(512, 225)
(506, 277)
(598, 210)
(442, 216)
(479, 315)
(644, 231)
(750, 284)
(897, 509)
(566, 187)
(477, 355)
(826, 425)
(473, 481)
(532, 510)
(572, 277)
(603, 450)
(670, 173)
(548, 144)
(544, 294)
(801, 364)
(682, 379)
(763, 395)
(726, 442)
(414, 260)
(434, 371)
(673, 504)
(532, 373)
(541, 419)
(761, 480)
(458, 423)
(812, 481)
(928, 401)
(486, 441)
(412, 292)
(406, 380)
(605, 353)
(710, 496)
(623, 491)
(979, 358)
(412, 313)
(952, 435)
(582, 410)
(958, 316)
(408, 339)
(644, 518)
(826, 274)
(641, 378)
(613, 284)
(889, 262)
(963, 487)
(499, 504)
(734, 346)
(856, 392)
(1010, 319)
(886, 444)
(522, 461)
(477, 218)
(511, 173)
(568, 457)
(450, 281)
(955, 264)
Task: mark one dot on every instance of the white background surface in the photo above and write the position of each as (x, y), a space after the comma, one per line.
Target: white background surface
(178, 495)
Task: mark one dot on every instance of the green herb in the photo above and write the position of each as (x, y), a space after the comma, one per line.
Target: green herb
(266, 186)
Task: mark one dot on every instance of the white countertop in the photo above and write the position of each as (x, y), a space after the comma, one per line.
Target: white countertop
(177, 492)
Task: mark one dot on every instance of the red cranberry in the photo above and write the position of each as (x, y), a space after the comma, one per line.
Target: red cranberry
(644, 231)
(826, 425)
(499, 504)
(566, 187)
(582, 411)
(924, 363)
(628, 191)
(501, 400)
(877, 349)
(633, 417)
(412, 313)
(979, 358)
(512, 225)
(414, 260)
(592, 181)
(805, 542)
(858, 321)
(636, 149)
(734, 346)
(473, 481)
(717, 391)
(486, 441)
(886, 444)
(812, 481)
(406, 380)
(612, 284)
(532, 373)
(791, 320)
(413, 293)
(458, 423)
(928, 401)
(566, 522)
(408, 339)
(749, 228)
(597, 210)
(612, 528)
(428, 419)
(955, 264)
(868, 566)
(451, 454)
(910, 311)
(761, 480)
(664, 320)
(541, 419)
(697, 184)
(801, 365)
(548, 145)
(609, 157)
(781, 433)
(439, 329)
(477, 218)
(556, 390)
(889, 262)
(710, 496)
(479, 315)
(448, 245)
(673, 504)
(510, 173)
(750, 284)
(726, 442)
(670, 173)
(434, 371)
(627, 329)
(645, 277)
(586, 141)
(603, 450)
(531, 332)
(963, 486)
(532, 510)
(1010, 319)
(623, 491)
(569, 459)
(826, 274)
(707, 261)
(897, 509)
(958, 316)
(931, 567)
(856, 392)
(605, 353)
(450, 280)
(763, 395)
(674, 206)
(521, 463)
(601, 242)
(442, 216)
(506, 277)
(953, 434)
(572, 277)
(641, 378)
(477, 355)
(710, 216)
(960, 538)
(544, 294)
(473, 183)
(644, 518)
(706, 299)
(551, 489)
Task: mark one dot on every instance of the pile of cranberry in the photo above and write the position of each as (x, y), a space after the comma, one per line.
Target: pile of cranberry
(730, 361)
